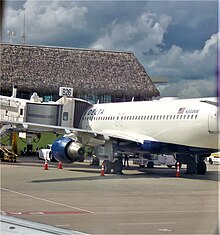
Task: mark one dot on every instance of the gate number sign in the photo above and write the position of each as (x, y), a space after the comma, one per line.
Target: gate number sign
(66, 91)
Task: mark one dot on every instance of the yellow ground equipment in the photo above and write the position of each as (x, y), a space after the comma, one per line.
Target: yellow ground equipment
(7, 155)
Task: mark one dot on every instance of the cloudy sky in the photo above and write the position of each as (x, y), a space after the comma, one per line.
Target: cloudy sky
(176, 40)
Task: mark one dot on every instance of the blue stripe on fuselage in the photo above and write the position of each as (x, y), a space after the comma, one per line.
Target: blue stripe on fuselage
(162, 148)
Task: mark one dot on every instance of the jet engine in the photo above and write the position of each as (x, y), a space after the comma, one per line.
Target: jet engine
(67, 150)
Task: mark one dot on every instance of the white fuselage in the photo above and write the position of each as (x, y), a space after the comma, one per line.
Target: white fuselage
(188, 122)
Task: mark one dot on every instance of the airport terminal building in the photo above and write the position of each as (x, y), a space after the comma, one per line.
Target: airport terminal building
(94, 75)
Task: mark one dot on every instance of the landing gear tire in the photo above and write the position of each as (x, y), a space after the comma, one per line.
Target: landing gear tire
(201, 168)
(150, 165)
(191, 168)
(117, 167)
(107, 166)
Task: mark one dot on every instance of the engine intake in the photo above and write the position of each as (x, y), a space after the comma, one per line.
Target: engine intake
(66, 150)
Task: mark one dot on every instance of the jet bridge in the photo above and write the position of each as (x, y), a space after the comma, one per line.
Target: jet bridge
(70, 111)
(64, 112)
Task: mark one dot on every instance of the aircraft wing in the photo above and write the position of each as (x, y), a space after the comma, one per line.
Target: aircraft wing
(39, 128)
(127, 136)
(81, 133)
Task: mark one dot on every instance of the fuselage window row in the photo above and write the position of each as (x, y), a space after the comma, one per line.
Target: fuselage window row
(148, 117)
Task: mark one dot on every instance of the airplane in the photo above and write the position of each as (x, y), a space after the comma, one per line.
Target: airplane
(186, 128)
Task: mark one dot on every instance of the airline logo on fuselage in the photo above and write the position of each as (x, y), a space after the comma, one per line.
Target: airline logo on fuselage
(93, 112)
(187, 111)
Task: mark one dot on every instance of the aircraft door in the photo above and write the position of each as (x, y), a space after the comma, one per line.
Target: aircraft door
(213, 122)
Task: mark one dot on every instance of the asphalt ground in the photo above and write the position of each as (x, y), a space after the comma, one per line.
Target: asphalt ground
(141, 201)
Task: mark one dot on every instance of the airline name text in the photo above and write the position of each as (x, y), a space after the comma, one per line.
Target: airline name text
(95, 112)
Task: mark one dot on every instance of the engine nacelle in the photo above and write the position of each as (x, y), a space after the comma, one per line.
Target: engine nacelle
(66, 150)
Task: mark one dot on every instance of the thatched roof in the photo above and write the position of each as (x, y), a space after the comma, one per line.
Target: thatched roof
(41, 68)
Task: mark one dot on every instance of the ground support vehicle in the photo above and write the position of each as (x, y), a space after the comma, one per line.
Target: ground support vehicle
(214, 158)
(7, 155)
(45, 154)
(150, 161)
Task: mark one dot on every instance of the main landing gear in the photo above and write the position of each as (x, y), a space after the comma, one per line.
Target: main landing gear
(196, 167)
(195, 164)
(115, 166)
(111, 165)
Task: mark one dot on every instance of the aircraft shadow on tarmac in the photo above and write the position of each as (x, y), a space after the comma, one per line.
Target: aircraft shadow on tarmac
(129, 172)
(162, 172)
(148, 173)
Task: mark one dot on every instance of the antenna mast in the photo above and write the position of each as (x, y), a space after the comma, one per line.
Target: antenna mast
(24, 36)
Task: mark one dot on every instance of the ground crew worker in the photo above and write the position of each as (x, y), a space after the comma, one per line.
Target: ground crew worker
(126, 160)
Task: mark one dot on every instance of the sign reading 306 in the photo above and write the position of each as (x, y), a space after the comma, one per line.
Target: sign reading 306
(66, 91)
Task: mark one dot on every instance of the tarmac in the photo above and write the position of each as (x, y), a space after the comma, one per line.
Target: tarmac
(76, 199)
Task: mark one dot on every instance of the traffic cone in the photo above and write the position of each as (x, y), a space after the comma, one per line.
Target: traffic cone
(60, 165)
(177, 169)
(46, 166)
(103, 170)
